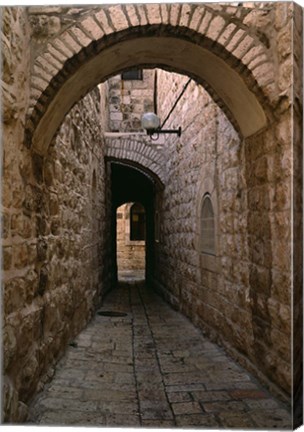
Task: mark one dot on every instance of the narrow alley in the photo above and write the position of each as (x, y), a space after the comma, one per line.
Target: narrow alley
(162, 139)
(151, 367)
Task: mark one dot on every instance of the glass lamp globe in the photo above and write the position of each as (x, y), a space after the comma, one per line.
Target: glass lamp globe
(150, 120)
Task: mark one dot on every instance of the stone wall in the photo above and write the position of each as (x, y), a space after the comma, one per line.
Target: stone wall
(128, 100)
(271, 161)
(212, 289)
(55, 224)
(130, 253)
(297, 180)
(240, 295)
(104, 106)
(18, 246)
(53, 247)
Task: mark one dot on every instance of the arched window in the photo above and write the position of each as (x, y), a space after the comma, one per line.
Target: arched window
(207, 226)
(137, 222)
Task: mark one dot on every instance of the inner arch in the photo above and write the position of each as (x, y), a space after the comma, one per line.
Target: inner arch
(175, 54)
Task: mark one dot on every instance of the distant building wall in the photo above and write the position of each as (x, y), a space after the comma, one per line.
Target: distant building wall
(130, 253)
(128, 100)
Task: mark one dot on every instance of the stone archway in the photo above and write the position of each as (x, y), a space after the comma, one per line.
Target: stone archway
(139, 153)
(200, 41)
(221, 47)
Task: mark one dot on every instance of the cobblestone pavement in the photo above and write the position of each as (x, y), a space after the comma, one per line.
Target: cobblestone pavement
(152, 368)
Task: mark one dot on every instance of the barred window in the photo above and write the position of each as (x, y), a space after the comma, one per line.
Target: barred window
(207, 225)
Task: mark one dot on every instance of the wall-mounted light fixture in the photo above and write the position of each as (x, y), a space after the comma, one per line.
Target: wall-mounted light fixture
(151, 123)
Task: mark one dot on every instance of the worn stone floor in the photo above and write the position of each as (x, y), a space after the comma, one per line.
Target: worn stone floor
(152, 368)
(131, 275)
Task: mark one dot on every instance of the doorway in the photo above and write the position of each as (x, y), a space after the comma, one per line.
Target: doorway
(131, 241)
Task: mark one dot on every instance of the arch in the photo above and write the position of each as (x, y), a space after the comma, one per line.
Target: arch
(208, 261)
(130, 247)
(137, 152)
(208, 240)
(231, 62)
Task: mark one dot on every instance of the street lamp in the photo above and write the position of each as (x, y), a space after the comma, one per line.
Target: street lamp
(151, 123)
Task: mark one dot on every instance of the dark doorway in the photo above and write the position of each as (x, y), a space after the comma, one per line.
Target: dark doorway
(132, 185)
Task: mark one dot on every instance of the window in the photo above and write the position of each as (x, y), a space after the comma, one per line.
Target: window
(208, 230)
(132, 74)
(137, 222)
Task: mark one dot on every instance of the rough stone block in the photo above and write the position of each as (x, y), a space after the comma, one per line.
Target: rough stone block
(118, 17)
(281, 15)
(90, 26)
(243, 47)
(174, 13)
(235, 40)
(286, 75)
(225, 35)
(46, 69)
(116, 116)
(70, 42)
(20, 254)
(280, 314)
(45, 10)
(153, 13)
(196, 17)
(39, 83)
(164, 13)
(131, 14)
(263, 73)
(82, 39)
(140, 13)
(185, 15)
(103, 22)
(205, 22)
(61, 58)
(216, 26)
(7, 258)
(258, 61)
(64, 49)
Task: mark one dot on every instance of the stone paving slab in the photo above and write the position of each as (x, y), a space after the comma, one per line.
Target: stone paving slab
(152, 368)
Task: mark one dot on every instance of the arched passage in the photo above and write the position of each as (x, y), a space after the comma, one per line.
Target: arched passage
(134, 184)
(235, 66)
(130, 241)
(138, 152)
(207, 47)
